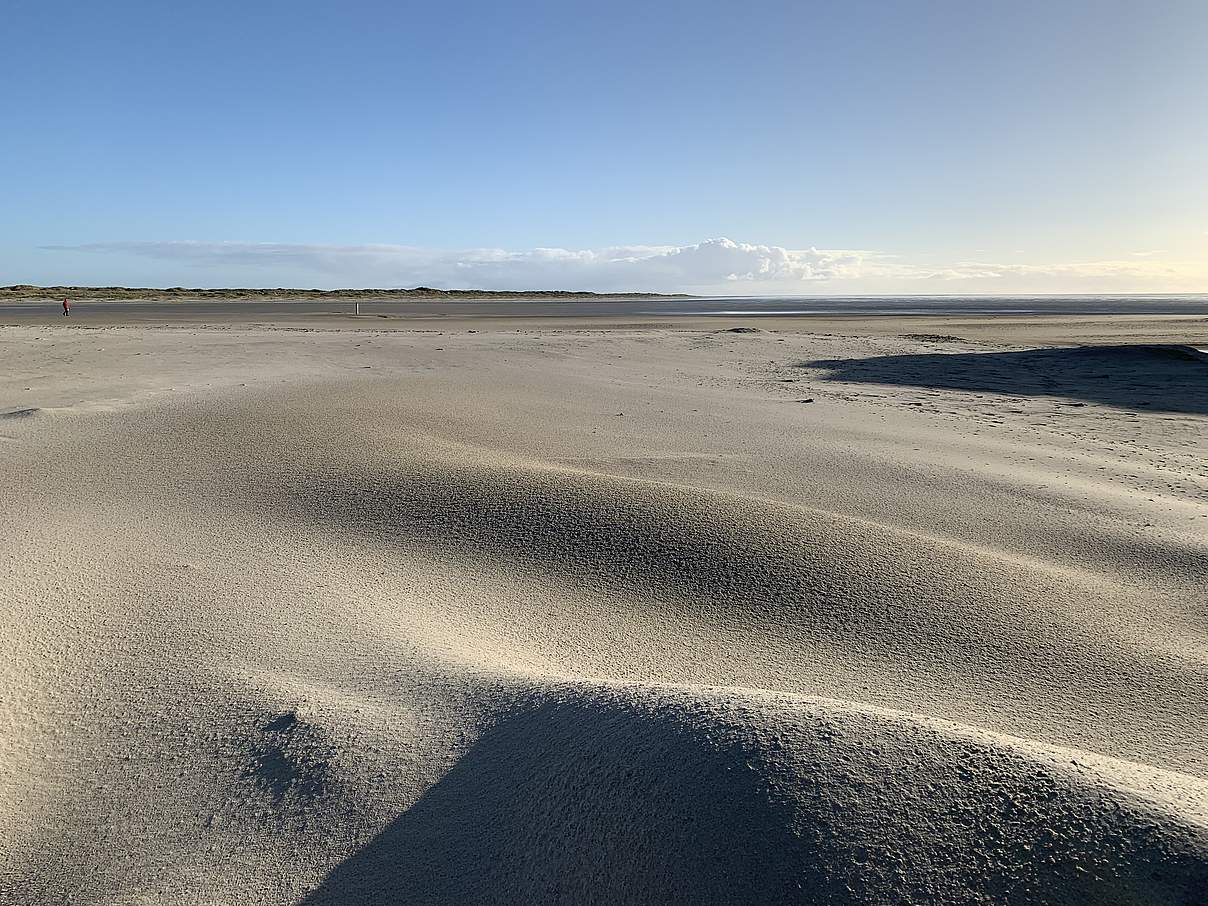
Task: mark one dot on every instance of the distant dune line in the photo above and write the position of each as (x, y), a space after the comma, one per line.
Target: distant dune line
(25, 292)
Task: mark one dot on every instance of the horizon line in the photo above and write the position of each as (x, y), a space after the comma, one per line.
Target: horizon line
(430, 290)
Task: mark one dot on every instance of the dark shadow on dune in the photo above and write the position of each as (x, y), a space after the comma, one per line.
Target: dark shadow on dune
(1150, 378)
(567, 802)
(611, 798)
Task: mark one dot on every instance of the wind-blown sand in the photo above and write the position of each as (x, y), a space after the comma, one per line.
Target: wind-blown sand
(645, 614)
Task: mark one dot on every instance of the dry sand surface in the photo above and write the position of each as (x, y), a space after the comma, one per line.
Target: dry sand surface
(873, 612)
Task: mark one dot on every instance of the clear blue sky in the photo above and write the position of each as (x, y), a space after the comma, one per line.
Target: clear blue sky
(927, 146)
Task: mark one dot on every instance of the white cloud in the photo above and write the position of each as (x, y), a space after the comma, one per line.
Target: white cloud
(715, 265)
(667, 268)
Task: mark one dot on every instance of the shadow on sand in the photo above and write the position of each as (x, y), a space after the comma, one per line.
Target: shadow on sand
(619, 797)
(1153, 378)
(569, 803)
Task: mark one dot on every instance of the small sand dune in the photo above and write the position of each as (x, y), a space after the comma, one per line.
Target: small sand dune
(359, 617)
(656, 794)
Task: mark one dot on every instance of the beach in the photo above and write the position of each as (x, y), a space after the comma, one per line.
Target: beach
(467, 605)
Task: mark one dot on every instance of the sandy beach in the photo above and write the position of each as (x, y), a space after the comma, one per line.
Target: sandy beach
(499, 609)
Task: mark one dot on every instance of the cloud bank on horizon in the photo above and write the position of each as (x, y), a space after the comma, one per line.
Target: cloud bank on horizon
(713, 266)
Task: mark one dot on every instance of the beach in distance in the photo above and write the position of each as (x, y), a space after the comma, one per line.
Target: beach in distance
(645, 600)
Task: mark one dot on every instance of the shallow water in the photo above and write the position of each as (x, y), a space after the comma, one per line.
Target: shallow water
(784, 306)
(935, 305)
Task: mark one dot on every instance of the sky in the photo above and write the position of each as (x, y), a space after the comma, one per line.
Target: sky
(844, 147)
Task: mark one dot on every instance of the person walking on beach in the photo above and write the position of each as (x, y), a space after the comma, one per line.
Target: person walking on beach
(66, 309)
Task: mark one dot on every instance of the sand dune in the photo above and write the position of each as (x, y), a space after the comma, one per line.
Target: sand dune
(550, 616)
(689, 794)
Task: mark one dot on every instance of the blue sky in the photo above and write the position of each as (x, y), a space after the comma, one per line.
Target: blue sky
(840, 147)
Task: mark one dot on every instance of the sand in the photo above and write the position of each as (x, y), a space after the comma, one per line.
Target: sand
(502, 611)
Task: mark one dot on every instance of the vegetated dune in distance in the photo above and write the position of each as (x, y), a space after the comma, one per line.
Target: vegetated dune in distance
(26, 293)
(492, 618)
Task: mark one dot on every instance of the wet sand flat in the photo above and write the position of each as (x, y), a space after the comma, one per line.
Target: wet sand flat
(461, 606)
